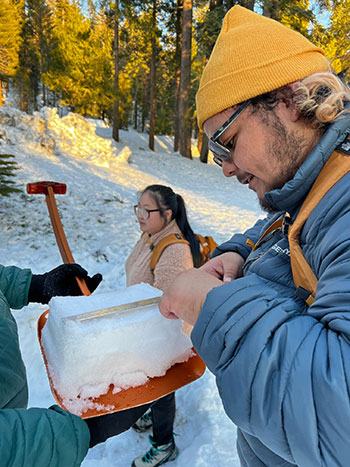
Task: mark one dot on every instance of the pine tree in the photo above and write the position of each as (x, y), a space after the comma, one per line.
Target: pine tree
(81, 71)
(10, 39)
(135, 53)
(335, 39)
(34, 54)
(40, 20)
(7, 173)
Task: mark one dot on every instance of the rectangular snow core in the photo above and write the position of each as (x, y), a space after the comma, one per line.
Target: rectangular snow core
(86, 352)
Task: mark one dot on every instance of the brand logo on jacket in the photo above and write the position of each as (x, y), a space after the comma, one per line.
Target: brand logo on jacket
(345, 146)
(278, 249)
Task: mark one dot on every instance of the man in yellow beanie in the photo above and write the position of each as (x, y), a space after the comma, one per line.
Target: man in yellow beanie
(271, 310)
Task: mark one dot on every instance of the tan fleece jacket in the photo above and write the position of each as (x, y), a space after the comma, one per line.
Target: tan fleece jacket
(174, 259)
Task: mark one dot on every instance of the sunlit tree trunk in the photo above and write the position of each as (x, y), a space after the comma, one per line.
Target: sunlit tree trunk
(116, 117)
(178, 29)
(185, 126)
(136, 105)
(203, 155)
(152, 96)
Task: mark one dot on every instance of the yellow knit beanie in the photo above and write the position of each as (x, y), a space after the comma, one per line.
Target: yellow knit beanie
(253, 55)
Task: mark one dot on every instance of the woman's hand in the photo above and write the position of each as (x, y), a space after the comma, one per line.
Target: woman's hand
(225, 267)
(185, 297)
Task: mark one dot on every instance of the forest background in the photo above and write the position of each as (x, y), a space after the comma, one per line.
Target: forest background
(138, 63)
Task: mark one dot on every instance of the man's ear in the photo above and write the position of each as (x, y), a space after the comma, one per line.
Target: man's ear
(294, 114)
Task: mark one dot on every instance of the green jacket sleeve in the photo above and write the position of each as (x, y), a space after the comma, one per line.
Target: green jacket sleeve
(14, 284)
(33, 437)
(42, 438)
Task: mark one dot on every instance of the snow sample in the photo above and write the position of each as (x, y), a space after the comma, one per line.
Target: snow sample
(125, 349)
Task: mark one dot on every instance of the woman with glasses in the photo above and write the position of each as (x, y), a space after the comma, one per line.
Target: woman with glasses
(160, 212)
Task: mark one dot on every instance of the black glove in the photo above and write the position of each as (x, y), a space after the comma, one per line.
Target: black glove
(60, 281)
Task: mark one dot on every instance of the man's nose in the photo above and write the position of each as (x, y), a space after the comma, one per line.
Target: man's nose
(229, 169)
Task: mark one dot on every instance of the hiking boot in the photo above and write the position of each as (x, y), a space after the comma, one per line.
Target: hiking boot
(157, 455)
(144, 423)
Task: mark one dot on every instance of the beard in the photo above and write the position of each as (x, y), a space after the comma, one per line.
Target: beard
(288, 149)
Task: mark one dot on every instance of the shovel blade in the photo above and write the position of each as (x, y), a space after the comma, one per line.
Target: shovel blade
(177, 376)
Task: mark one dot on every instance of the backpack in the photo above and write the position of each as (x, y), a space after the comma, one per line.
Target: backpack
(206, 246)
(304, 278)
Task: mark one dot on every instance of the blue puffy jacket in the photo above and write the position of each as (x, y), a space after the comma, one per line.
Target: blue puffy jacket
(282, 369)
(30, 437)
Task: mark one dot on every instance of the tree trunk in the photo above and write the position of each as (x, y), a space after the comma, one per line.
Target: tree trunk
(152, 94)
(23, 103)
(116, 117)
(178, 71)
(185, 126)
(152, 102)
(144, 104)
(136, 103)
(204, 148)
(250, 4)
(1, 103)
(271, 9)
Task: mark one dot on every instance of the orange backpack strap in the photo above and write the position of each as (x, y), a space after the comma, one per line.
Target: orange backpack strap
(158, 249)
(304, 278)
(206, 246)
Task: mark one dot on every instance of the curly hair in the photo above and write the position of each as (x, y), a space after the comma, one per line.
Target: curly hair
(320, 98)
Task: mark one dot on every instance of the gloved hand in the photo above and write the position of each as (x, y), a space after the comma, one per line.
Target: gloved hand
(60, 281)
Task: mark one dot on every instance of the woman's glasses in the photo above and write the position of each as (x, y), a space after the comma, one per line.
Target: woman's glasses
(221, 152)
(143, 212)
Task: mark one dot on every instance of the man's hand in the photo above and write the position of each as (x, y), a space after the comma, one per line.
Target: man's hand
(225, 267)
(185, 297)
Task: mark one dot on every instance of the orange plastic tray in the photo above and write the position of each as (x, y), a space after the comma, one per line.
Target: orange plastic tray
(176, 377)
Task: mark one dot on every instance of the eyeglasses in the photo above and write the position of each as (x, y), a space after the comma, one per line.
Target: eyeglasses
(143, 212)
(221, 152)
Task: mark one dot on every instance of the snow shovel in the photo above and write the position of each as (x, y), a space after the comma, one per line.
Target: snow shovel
(176, 377)
(49, 189)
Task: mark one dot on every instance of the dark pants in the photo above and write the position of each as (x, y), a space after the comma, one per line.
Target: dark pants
(163, 415)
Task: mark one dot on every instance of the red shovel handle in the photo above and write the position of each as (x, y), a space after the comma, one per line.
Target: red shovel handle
(48, 189)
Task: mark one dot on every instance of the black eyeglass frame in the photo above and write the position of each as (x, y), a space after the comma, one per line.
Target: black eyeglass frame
(137, 207)
(220, 151)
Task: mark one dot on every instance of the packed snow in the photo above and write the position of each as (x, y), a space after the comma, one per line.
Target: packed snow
(119, 355)
(103, 178)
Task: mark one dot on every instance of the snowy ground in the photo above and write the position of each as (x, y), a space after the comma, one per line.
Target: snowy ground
(102, 180)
